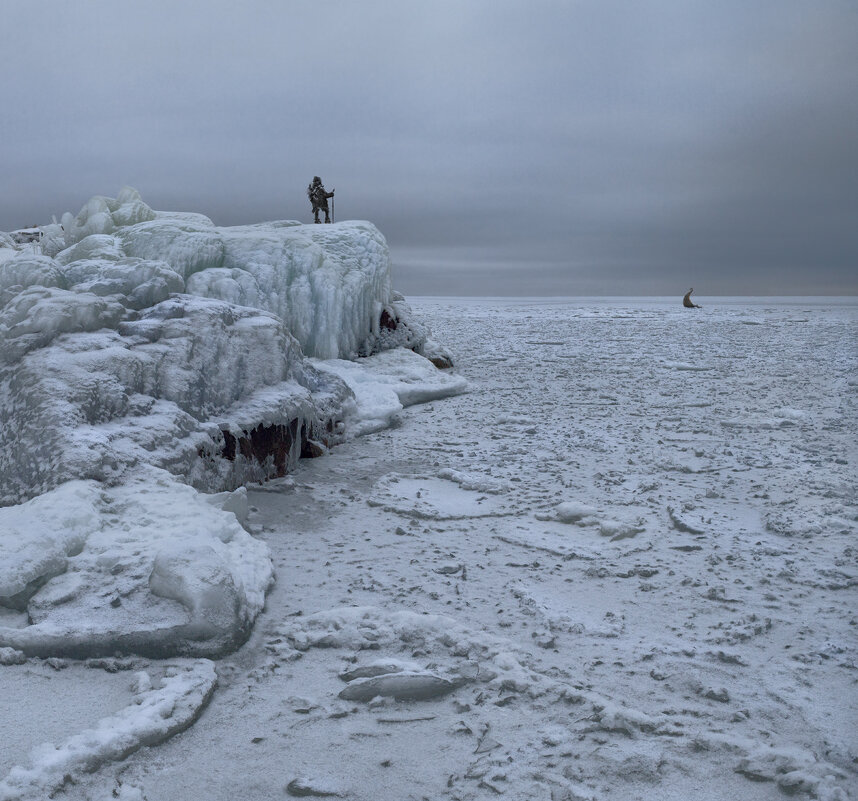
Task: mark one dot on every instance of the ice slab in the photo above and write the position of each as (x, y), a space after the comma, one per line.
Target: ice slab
(388, 381)
(148, 567)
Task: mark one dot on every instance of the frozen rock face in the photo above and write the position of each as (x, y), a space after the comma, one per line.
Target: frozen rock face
(147, 356)
(157, 337)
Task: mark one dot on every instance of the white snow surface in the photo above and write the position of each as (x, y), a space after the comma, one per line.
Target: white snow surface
(571, 582)
(601, 573)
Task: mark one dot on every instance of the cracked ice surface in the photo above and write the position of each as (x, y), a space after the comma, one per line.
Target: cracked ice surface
(580, 583)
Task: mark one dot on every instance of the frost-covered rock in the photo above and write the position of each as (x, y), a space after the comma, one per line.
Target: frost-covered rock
(402, 685)
(398, 328)
(144, 356)
(157, 337)
(330, 285)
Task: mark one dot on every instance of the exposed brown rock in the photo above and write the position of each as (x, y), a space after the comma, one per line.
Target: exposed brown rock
(388, 322)
(312, 449)
(275, 441)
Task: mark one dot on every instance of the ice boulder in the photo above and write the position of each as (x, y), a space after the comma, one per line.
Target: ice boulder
(36, 316)
(146, 567)
(23, 270)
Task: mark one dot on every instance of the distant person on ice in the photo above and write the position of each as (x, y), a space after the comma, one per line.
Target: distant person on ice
(319, 199)
(686, 301)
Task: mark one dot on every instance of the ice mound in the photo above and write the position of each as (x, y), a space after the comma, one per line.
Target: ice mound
(158, 337)
(146, 356)
(148, 567)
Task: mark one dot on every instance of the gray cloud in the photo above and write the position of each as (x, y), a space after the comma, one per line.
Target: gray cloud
(558, 147)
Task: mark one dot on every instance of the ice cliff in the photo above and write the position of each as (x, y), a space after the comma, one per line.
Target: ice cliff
(148, 356)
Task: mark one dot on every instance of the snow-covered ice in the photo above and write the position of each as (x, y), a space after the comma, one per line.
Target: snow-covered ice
(602, 572)
(384, 384)
(146, 567)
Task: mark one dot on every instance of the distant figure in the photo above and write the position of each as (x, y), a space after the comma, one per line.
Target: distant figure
(319, 199)
(686, 301)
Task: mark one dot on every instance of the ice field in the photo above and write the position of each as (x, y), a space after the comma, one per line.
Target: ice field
(622, 564)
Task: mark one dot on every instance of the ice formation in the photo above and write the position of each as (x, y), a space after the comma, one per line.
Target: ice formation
(156, 715)
(146, 356)
(147, 566)
(384, 384)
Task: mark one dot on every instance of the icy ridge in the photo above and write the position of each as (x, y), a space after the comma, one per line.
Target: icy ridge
(156, 715)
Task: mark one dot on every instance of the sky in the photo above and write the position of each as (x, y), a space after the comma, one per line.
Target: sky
(540, 147)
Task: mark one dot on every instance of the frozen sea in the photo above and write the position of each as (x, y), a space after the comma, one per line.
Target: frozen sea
(621, 565)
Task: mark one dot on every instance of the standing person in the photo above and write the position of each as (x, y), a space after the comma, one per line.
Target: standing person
(319, 199)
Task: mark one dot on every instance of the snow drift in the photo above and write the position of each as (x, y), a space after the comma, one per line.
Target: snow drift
(144, 351)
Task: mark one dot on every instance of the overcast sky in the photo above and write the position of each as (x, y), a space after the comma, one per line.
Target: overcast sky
(536, 148)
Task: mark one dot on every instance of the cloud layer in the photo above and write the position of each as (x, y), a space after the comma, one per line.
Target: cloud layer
(591, 147)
